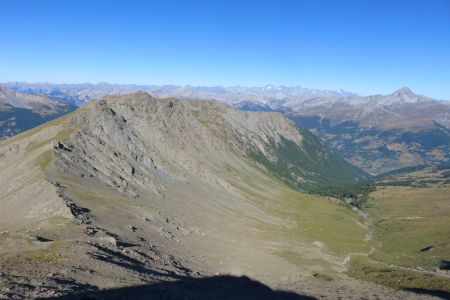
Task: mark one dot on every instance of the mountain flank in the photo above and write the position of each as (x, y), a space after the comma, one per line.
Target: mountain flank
(20, 111)
(134, 190)
(381, 133)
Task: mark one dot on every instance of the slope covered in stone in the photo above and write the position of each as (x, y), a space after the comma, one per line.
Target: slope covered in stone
(198, 137)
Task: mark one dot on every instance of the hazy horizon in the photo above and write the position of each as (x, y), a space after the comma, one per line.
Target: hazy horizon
(214, 86)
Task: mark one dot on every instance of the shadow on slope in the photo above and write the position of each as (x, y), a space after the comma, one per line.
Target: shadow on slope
(435, 293)
(217, 287)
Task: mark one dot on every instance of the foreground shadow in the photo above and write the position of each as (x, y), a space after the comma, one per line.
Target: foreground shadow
(217, 287)
(435, 293)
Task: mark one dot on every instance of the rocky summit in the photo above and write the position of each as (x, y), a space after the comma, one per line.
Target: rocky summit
(162, 193)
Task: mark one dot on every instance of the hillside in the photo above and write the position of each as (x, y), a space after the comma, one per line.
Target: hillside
(20, 112)
(136, 190)
(410, 237)
(381, 133)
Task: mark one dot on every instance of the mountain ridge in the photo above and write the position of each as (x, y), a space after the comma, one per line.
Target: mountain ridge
(80, 93)
(376, 133)
(134, 188)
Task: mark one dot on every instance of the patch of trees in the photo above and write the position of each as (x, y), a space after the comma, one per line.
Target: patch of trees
(352, 194)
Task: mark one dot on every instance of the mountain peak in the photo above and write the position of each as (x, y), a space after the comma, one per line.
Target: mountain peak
(404, 91)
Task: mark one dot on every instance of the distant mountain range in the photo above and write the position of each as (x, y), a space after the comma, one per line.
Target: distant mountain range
(378, 133)
(269, 94)
(22, 111)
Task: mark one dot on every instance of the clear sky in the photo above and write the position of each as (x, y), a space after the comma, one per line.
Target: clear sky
(366, 46)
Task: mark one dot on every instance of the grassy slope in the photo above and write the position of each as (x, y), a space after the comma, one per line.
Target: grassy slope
(404, 221)
(32, 158)
(313, 218)
(312, 167)
(417, 218)
(324, 229)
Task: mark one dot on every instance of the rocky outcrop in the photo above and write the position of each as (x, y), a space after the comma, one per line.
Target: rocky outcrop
(138, 142)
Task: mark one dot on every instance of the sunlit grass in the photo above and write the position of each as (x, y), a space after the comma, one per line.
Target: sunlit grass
(406, 220)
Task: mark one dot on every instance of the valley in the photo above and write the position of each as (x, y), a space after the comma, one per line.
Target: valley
(410, 239)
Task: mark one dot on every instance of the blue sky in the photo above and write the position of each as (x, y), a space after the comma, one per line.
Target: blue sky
(362, 46)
